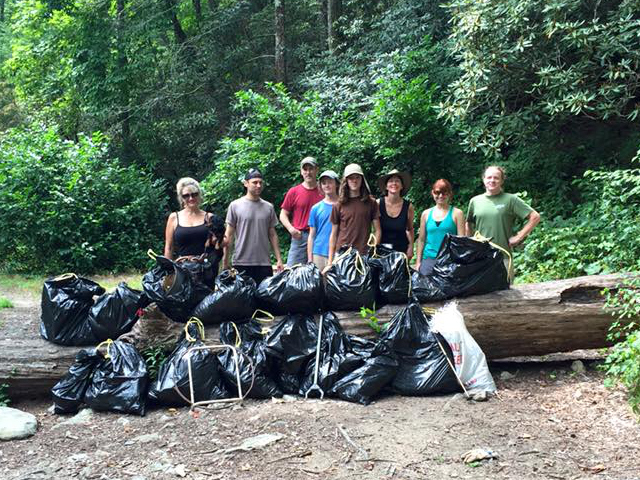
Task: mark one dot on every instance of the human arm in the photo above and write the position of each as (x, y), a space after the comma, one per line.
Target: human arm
(470, 222)
(227, 243)
(286, 223)
(532, 220)
(377, 231)
(333, 239)
(461, 225)
(310, 239)
(168, 235)
(273, 239)
(421, 239)
(410, 233)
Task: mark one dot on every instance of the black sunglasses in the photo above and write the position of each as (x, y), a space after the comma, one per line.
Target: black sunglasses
(187, 196)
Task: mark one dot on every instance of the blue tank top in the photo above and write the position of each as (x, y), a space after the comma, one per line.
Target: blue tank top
(435, 233)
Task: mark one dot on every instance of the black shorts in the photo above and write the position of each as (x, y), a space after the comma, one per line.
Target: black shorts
(257, 272)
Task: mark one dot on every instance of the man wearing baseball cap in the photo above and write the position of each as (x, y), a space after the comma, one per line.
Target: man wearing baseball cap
(253, 220)
(320, 220)
(295, 209)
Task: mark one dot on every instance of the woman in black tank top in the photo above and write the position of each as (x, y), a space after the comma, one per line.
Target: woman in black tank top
(191, 232)
(396, 213)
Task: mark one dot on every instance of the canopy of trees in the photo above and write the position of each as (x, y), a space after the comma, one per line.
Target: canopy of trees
(169, 88)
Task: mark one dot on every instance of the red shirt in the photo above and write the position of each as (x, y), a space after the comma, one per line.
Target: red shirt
(298, 202)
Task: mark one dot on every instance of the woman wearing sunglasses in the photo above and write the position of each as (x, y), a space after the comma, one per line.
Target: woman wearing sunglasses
(191, 236)
(435, 223)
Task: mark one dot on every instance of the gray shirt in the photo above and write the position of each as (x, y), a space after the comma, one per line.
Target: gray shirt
(252, 221)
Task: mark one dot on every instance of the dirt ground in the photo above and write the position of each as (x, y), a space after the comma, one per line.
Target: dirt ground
(547, 422)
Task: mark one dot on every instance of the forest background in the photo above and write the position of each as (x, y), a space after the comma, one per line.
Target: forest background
(104, 104)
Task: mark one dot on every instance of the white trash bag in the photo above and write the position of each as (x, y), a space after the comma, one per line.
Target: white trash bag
(469, 359)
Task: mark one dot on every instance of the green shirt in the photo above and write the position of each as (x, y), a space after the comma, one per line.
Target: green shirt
(494, 216)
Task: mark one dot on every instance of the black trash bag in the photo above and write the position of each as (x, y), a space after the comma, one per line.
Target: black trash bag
(115, 313)
(424, 369)
(367, 381)
(394, 277)
(120, 381)
(174, 372)
(253, 363)
(232, 300)
(65, 304)
(338, 356)
(297, 289)
(68, 393)
(292, 342)
(173, 289)
(464, 267)
(350, 283)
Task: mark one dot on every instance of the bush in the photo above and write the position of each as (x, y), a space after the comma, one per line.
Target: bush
(623, 362)
(67, 206)
(601, 236)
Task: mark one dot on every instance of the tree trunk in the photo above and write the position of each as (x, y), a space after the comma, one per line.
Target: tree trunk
(532, 319)
(123, 61)
(322, 23)
(213, 5)
(2, 10)
(181, 36)
(280, 63)
(197, 7)
(333, 13)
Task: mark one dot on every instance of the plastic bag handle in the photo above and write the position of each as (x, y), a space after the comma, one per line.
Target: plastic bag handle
(153, 255)
(371, 243)
(269, 317)
(65, 276)
(238, 337)
(193, 321)
(108, 342)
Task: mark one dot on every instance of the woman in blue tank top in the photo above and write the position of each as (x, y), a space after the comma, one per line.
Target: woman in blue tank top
(435, 223)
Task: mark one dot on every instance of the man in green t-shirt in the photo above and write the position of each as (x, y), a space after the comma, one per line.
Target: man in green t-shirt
(494, 213)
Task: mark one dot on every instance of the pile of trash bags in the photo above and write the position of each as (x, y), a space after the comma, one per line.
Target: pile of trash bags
(260, 358)
(71, 316)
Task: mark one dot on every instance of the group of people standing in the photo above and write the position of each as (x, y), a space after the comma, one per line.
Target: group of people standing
(327, 211)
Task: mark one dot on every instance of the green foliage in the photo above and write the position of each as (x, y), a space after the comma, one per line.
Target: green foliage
(5, 303)
(4, 397)
(601, 236)
(154, 358)
(526, 63)
(68, 206)
(623, 362)
(370, 318)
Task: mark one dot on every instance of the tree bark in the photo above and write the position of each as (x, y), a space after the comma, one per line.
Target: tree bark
(197, 7)
(2, 2)
(280, 47)
(123, 61)
(526, 320)
(181, 36)
(333, 13)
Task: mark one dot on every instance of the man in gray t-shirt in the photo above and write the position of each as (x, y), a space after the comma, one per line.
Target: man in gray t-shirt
(252, 221)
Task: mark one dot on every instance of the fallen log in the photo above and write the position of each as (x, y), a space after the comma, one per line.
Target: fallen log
(526, 320)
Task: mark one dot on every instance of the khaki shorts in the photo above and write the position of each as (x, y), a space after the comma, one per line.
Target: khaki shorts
(320, 261)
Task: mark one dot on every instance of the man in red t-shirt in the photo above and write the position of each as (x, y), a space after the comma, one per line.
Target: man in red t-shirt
(295, 209)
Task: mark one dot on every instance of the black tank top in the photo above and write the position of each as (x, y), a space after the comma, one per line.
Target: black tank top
(190, 240)
(394, 228)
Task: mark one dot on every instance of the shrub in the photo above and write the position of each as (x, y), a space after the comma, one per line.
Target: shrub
(68, 206)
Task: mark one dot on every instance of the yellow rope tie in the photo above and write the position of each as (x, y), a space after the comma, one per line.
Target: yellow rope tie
(480, 238)
(238, 338)
(406, 264)
(65, 276)
(153, 255)
(343, 255)
(371, 243)
(108, 343)
(193, 321)
(429, 310)
(268, 319)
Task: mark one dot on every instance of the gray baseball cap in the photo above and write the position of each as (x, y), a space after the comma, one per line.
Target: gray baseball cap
(330, 174)
(308, 161)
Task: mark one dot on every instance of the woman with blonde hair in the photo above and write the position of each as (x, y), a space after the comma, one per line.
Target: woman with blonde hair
(435, 223)
(193, 236)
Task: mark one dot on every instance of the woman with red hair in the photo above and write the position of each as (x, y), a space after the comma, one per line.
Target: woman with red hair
(435, 223)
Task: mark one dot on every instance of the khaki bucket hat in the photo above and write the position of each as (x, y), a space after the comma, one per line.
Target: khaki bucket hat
(355, 168)
(405, 176)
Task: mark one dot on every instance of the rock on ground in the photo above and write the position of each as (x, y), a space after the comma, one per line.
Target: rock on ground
(16, 424)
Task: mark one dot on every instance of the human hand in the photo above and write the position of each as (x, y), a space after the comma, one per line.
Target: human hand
(515, 240)
(409, 253)
(295, 233)
(326, 269)
(279, 266)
